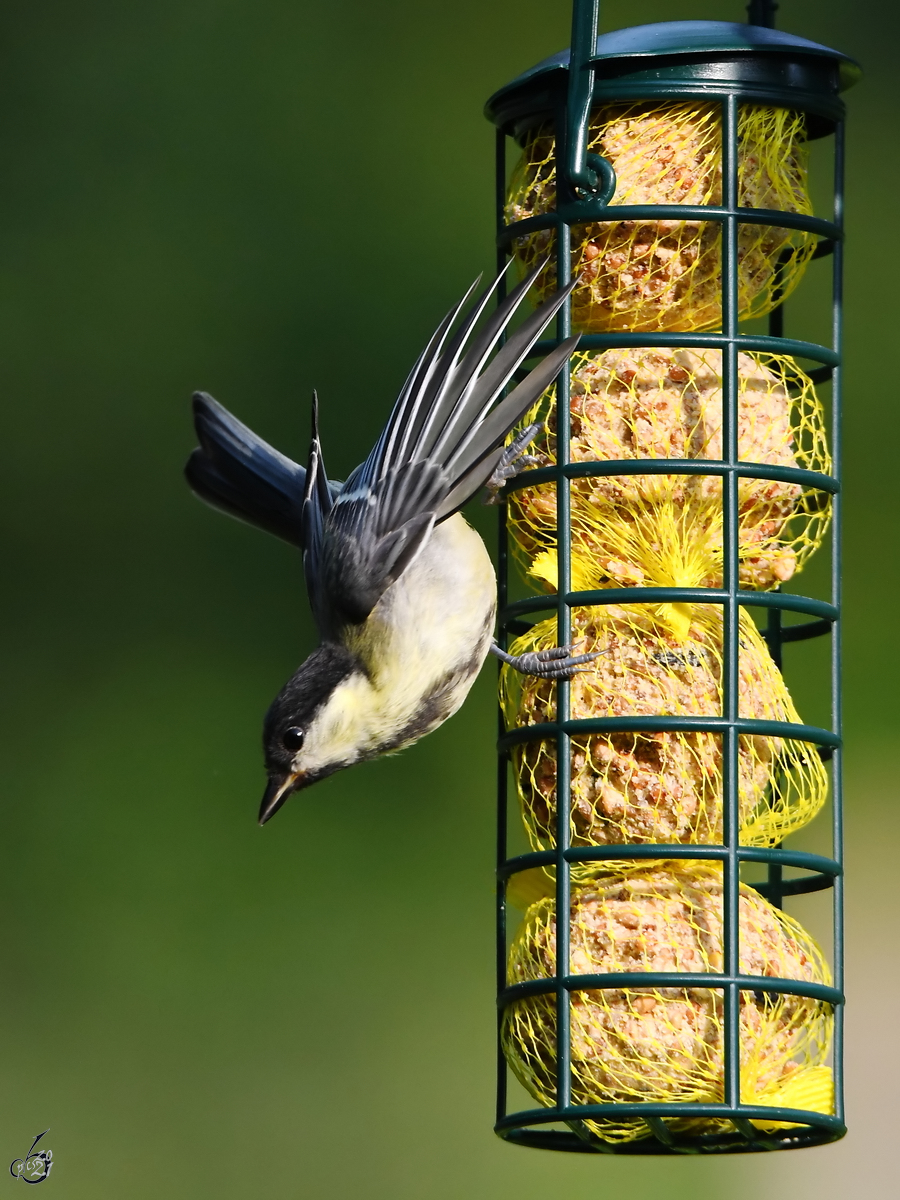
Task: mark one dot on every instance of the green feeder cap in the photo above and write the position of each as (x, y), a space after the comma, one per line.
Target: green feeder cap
(688, 60)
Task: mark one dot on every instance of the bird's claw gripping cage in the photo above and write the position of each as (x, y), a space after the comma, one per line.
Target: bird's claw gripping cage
(723, 71)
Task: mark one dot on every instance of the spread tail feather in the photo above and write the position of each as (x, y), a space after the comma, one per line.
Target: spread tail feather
(238, 473)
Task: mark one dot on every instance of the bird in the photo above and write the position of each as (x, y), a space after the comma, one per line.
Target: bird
(401, 587)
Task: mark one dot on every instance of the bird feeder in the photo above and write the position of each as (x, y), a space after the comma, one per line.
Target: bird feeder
(651, 1001)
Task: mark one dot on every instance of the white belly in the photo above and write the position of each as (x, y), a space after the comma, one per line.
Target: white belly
(427, 637)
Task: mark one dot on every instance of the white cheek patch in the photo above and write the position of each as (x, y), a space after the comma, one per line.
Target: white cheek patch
(338, 732)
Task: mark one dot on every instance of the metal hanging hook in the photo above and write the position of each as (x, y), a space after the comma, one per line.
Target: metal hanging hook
(588, 175)
(762, 13)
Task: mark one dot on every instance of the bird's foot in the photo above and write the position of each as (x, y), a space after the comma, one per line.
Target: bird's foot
(513, 461)
(557, 662)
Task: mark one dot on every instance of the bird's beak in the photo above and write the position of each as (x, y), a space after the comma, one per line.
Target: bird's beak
(278, 790)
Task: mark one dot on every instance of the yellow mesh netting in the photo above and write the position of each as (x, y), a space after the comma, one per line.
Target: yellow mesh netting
(659, 787)
(666, 530)
(811, 1088)
(666, 1044)
(658, 275)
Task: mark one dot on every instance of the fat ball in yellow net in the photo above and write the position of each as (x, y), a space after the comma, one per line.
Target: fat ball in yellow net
(667, 530)
(666, 1044)
(664, 786)
(658, 275)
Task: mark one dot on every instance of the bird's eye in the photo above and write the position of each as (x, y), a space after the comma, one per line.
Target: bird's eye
(292, 739)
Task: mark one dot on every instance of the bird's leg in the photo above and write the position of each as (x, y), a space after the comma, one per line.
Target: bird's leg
(557, 662)
(513, 461)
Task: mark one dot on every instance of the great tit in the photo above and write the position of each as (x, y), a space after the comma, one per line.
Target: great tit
(401, 588)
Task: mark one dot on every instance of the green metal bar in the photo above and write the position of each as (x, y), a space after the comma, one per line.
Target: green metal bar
(660, 1130)
(730, 611)
(800, 859)
(777, 888)
(617, 980)
(564, 634)
(675, 466)
(725, 726)
(698, 341)
(502, 759)
(836, 553)
(597, 211)
(641, 1108)
(802, 633)
(762, 12)
(672, 595)
(585, 15)
(806, 1136)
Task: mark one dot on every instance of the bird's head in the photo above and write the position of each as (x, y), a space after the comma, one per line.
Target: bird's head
(312, 728)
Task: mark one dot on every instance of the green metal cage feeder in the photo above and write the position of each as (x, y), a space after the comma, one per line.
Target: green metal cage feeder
(726, 65)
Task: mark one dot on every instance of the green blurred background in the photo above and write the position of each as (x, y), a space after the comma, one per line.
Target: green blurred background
(259, 198)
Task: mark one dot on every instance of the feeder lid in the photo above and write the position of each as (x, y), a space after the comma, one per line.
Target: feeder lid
(681, 57)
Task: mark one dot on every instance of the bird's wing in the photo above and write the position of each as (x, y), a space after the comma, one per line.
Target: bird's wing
(237, 472)
(316, 508)
(442, 442)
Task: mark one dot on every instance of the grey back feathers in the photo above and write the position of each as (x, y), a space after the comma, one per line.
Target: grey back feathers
(441, 444)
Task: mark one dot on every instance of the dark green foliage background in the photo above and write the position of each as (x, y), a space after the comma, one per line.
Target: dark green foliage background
(259, 198)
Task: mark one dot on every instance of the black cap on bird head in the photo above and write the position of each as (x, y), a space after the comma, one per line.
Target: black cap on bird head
(290, 727)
